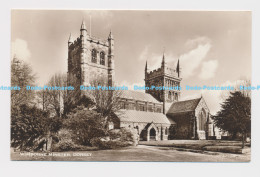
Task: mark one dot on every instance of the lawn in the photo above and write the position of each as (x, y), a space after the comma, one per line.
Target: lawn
(207, 145)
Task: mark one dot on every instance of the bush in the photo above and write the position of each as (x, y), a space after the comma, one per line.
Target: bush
(126, 135)
(64, 142)
(86, 125)
(65, 146)
(117, 138)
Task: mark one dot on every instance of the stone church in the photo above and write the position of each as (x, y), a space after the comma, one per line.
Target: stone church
(157, 115)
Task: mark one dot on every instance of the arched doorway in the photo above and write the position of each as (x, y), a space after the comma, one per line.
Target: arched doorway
(152, 134)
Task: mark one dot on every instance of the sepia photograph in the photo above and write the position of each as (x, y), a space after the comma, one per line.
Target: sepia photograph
(130, 85)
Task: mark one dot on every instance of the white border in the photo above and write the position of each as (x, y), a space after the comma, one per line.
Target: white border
(12, 168)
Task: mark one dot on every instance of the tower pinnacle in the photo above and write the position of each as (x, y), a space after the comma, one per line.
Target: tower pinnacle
(83, 29)
(83, 25)
(178, 68)
(163, 60)
(70, 39)
(110, 35)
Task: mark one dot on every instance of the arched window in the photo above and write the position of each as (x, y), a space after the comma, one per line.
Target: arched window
(166, 131)
(170, 95)
(176, 96)
(102, 58)
(94, 56)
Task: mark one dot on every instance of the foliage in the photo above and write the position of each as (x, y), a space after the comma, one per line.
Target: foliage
(107, 102)
(235, 114)
(85, 125)
(122, 134)
(42, 99)
(126, 135)
(30, 127)
(65, 146)
(53, 124)
(66, 143)
(54, 98)
(116, 138)
(21, 75)
(27, 126)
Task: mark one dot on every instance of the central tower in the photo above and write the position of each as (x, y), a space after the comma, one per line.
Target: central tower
(90, 59)
(163, 76)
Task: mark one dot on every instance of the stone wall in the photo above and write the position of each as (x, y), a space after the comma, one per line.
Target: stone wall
(184, 128)
(144, 130)
(203, 111)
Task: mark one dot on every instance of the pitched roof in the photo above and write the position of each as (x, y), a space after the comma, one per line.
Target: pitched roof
(142, 116)
(135, 95)
(183, 106)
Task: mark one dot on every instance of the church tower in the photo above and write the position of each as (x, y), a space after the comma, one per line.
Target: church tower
(90, 59)
(163, 76)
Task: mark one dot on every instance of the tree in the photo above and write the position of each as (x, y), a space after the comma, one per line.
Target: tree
(42, 99)
(86, 125)
(106, 101)
(54, 97)
(73, 98)
(27, 126)
(30, 126)
(21, 75)
(235, 115)
(61, 102)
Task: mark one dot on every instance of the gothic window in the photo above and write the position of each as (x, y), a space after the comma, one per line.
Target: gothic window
(141, 107)
(131, 106)
(176, 96)
(166, 131)
(170, 95)
(102, 58)
(202, 120)
(150, 108)
(126, 106)
(94, 56)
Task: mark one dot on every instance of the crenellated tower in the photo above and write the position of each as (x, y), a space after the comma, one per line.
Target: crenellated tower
(164, 76)
(90, 59)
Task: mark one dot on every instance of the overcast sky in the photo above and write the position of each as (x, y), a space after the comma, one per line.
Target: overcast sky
(214, 48)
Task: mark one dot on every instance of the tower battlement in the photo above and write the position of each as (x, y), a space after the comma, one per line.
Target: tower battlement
(90, 58)
(164, 76)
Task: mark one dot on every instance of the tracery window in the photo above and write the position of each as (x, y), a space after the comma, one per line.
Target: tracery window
(102, 58)
(94, 56)
(170, 95)
(176, 96)
(141, 107)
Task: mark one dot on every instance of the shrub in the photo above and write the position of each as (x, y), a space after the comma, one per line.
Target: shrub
(86, 125)
(66, 146)
(65, 142)
(117, 138)
(126, 135)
